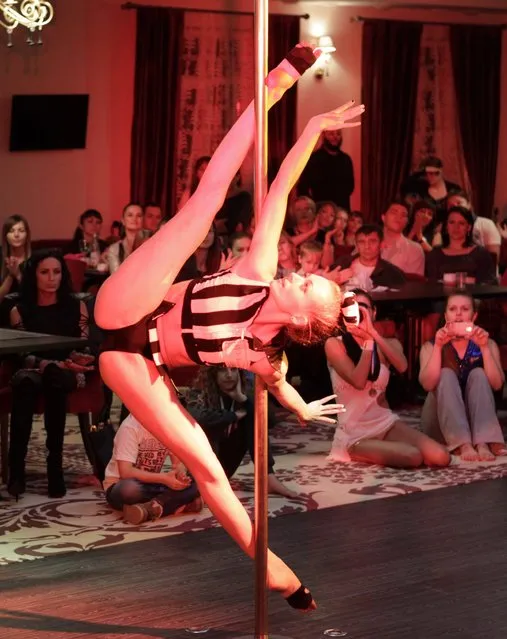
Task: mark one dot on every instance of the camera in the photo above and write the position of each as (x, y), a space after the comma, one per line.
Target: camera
(460, 329)
(352, 314)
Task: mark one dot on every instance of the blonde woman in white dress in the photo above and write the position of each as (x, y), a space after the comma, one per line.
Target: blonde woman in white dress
(359, 361)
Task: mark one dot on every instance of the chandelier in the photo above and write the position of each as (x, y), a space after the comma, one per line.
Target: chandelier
(32, 14)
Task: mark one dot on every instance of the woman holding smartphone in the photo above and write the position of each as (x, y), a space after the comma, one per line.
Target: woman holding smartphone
(460, 369)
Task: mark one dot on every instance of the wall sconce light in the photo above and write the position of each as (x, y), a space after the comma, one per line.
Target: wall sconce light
(326, 44)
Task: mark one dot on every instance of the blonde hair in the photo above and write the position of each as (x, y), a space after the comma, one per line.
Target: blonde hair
(321, 324)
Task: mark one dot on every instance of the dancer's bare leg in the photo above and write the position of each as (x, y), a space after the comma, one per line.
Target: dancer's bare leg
(143, 280)
(155, 405)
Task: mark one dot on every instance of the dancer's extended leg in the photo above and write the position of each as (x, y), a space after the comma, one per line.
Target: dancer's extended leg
(155, 405)
(143, 280)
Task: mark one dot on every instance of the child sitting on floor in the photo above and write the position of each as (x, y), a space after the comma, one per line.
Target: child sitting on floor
(136, 483)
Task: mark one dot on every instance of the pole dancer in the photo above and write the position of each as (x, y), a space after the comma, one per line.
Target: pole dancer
(237, 317)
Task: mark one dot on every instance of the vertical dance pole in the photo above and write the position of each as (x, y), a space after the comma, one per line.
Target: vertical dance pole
(261, 398)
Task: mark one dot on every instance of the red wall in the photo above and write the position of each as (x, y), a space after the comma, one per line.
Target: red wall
(89, 48)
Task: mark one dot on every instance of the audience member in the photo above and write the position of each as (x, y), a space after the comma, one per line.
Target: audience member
(429, 184)
(287, 256)
(152, 218)
(16, 249)
(90, 225)
(303, 213)
(132, 220)
(460, 368)
(209, 258)
(46, 305)
(237, 210)
(326, 218)
(368, 431)
(354, 222)
(115, 232)
(221, 404)
(396, 248)
(309, 256)
(200, 166)
(422, 226)
(458, 253)
(329, 174)
(239, 243)
(334, 245)
(485, 232)
(135, 482)
(368, 270)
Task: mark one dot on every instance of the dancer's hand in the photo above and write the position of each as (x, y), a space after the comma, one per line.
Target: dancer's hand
(317, 412)
(338, 118)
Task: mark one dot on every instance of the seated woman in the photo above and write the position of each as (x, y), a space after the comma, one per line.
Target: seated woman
(223, 406)
(287, 256)
(422, 226)
(354, 222)
(233, 318)
(460, 369)
(16, 249)
(359, 361)
(458, 253)
(90, 225)
(132, 236)
(135, 483)
(46, 305)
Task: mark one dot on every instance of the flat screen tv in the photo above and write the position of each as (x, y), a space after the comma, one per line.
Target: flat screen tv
(48, 122)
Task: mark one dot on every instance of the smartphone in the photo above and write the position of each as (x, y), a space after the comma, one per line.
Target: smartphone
(461, 329)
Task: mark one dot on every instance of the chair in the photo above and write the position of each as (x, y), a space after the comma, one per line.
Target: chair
(77, 269)
(82, 402)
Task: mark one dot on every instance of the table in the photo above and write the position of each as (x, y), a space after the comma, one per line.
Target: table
(413, 298)
(14, 342)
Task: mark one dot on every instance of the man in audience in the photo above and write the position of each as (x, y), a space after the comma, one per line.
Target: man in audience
(329, 174)
(485, 232)
(152, 218)
(368, 268)
(396, 248)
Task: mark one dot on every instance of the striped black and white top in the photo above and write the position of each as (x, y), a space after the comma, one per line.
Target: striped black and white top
(217, 314)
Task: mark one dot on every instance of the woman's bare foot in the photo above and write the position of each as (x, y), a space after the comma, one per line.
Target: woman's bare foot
(484, 453)
(275, 487)
(498, 449)
(467, 453)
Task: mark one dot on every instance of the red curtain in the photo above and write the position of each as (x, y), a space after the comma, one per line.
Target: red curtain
(390, 70)
(156, 100)
(476, 59)
(282, 118)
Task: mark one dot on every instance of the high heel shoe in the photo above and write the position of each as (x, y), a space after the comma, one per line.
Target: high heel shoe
(56, 484)
(16, 487)
(301, 599)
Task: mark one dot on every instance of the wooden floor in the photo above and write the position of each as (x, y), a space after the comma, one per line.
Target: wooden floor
(422, 566)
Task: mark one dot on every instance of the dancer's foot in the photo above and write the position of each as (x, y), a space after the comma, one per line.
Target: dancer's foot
(467, 453)
(275, 487)
(500, 450)
(283, 580)
(484, 453)
(290, 69)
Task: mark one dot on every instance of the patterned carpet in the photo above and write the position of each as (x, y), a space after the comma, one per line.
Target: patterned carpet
(37, 526)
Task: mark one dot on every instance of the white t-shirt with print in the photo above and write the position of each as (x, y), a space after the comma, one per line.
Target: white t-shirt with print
(134, 444)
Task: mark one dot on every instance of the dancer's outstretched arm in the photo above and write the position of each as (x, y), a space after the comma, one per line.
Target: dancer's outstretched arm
(142, 282)
(262, 258)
